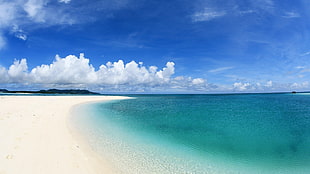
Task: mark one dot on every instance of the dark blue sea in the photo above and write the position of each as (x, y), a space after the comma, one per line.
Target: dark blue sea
(224, 133)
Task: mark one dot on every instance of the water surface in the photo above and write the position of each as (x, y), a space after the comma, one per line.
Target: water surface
(244, 133)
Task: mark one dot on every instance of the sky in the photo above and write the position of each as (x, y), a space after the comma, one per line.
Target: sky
(162, 46)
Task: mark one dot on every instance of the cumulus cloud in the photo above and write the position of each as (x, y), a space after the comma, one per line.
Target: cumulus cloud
(303, 85)
(198, 81)
(73, 71)
(3, 75)
(239, 86)
(188, 84)
(269, 86)
(77, 72)
(253, 87)
(18, 71)
(64, 71)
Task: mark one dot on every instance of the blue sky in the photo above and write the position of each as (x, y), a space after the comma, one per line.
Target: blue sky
(201, 46)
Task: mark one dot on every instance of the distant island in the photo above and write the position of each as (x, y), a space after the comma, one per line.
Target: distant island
(51, 91)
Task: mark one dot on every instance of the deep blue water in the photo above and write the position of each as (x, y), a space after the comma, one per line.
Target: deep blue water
(237, 133)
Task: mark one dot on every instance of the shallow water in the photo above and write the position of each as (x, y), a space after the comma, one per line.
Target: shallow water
(248, 133)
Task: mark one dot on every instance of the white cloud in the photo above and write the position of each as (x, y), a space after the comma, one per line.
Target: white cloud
(305, 54)
(269, 84)
(239, 86)
(73, 71)
(187, 84)
(78, 70)
(220, 69)
(19, 33)
(7, 13)
(303, 69)
(198, 81)
(29, 15)
(43, 12)
(207, 14)
(18, 13)
(3, 75)
(34, 9)
(21, 36)
(299, 86)
(291, 15)
(300, 67)
(65, 71)
(296, 86)
(18, 71)
(65, 1)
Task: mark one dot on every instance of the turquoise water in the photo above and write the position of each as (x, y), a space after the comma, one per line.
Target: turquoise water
(244, 133)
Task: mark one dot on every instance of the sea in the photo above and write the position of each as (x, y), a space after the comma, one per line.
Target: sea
(200, 134)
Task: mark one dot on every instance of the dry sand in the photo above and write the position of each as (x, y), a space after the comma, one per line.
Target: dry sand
(35, 138)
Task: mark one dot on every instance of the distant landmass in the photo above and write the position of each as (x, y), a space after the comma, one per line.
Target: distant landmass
(51, 91)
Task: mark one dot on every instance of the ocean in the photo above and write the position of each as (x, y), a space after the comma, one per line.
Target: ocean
(215, 133)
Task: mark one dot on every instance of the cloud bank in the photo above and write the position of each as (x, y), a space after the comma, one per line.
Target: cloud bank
(270, 86)
(73, 71)
(77, 72)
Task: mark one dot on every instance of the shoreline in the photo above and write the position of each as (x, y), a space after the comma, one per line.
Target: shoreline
(37, 138)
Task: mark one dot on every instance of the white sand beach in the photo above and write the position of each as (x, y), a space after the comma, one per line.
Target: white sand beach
(35, 138)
